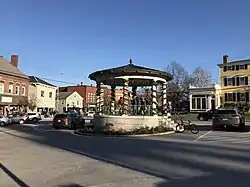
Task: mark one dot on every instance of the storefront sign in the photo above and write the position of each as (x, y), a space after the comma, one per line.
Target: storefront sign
(6, 99)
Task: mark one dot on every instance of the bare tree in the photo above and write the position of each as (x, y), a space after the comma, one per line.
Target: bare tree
(201, 77)
(178, 88)
(32, 102)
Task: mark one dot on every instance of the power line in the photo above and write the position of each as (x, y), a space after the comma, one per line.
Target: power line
(21, 75)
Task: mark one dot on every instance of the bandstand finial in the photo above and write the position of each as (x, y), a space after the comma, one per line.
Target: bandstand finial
(130, 61)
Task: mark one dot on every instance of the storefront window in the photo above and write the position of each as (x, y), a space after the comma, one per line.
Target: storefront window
(198, 103)
(193, 103)
(203, 103)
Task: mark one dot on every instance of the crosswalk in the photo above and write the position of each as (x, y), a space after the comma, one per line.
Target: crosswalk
(226, 137)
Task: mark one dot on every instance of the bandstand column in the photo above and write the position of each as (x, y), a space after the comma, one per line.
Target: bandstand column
(98, 98)
(164, 98)
(125, 97)
(101, 97)
(154, 99)
(112, 102)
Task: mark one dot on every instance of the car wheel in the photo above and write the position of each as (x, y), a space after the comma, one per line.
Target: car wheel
(2, 124)
(34, 120)
(21, 121)
(201, 118)
(56, 127)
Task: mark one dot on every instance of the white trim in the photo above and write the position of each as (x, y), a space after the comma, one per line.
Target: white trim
(141, 77)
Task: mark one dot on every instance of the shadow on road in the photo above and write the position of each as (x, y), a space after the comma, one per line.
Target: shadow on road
(13, 176)
(179, 163)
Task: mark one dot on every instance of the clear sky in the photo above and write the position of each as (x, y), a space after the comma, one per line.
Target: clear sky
(67, 40)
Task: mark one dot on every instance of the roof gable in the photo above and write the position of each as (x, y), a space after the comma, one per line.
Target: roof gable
(35, 79)
(7, 68)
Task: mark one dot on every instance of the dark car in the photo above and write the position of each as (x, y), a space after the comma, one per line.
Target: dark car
(205, 116)
(226, 118)
(68, 120)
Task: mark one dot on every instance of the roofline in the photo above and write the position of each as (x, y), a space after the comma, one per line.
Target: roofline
(15, 75)
(232, 62)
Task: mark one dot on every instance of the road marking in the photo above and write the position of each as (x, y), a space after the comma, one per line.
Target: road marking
(202, 136)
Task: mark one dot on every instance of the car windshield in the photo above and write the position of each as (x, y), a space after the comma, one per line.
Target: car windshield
(60, 116)
(73, 115)
(226, 112)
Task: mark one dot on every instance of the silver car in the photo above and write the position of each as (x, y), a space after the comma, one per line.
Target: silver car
(4, 121)
(225, 118)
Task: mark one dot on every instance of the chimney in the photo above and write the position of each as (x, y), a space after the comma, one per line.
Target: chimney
(14, 60)
(81, 83)
(225, 59)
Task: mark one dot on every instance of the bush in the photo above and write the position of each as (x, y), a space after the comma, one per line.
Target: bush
(136, 131)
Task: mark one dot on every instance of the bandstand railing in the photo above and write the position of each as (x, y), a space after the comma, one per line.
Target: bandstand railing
(142, 110)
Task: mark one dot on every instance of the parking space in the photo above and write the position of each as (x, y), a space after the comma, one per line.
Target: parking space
(225, 137)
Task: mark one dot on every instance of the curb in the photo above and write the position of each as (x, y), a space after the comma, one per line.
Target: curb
(139, 135)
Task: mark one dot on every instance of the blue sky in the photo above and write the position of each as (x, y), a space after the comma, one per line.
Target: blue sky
(67, 40)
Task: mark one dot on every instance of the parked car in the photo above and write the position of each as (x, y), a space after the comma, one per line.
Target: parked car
(226, 118)
(68, 120)
(24, 118)
(91, 113)
(34, 117)
(204, 116)
(4, 121)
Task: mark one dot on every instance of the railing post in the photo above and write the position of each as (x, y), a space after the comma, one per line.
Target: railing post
(101, 97)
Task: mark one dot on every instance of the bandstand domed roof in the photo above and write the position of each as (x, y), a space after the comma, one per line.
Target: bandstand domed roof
(112, 76)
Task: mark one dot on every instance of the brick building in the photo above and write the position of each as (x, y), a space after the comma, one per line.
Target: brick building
(87, 92)
(13, 85)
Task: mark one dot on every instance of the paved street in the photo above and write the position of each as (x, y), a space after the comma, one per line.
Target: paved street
(37, 156)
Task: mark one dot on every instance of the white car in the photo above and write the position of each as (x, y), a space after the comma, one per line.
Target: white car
(4, 121)
(91, 114)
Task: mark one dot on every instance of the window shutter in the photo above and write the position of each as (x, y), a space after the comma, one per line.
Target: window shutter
(233, 81)
(247, 96)
(245, 66)
(233, 67)
(237, 67)
(225, 97)
(237, 81)
(246, 80)
(225, 81)
(225, 68)
(234, 97)
(238, 97)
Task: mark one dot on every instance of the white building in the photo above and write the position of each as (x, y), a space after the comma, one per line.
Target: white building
(68, 101)
(42, 94)
(204, 98)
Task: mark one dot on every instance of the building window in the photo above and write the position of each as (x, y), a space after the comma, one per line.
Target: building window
(193, 103)
(11, 87)
(203, 103)
(229, 96)
(77, 103)
(1, 87)
(23, 90)
(17, 89)
(42, 93)
(242, 66)
(242, 96)
(229, 81)
(242, 80)
(198, 103)
(50, 94)
(229, 68)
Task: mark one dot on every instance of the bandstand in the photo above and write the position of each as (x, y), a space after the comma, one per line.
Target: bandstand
(130, 76)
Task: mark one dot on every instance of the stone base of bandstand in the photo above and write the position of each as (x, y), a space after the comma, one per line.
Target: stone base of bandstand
(129, 123)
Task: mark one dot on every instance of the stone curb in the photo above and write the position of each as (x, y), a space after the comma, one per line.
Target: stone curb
(139, 135)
